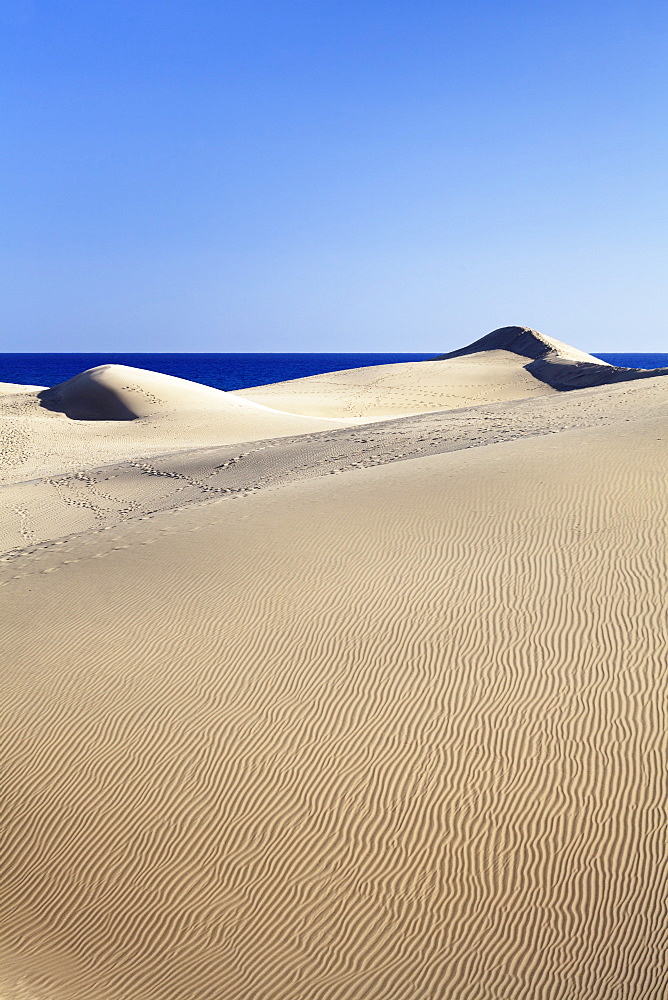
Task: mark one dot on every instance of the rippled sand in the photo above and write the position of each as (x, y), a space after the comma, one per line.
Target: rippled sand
(396, 732)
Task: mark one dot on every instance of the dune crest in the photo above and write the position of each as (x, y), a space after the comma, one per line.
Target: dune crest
(404, 388)
(525, 342)
(556, 364)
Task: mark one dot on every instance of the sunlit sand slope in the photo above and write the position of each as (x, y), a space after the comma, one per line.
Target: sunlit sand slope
(513, 362)
(115, 412)
(94, 499)
(407, 387)
(397, 733)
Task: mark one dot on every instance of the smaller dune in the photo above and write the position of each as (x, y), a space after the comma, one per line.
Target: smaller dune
(119, 392)
(114, 412)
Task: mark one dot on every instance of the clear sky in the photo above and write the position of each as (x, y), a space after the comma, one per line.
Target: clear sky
(332, 175)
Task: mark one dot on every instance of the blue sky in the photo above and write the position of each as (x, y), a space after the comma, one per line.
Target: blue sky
(332, 175)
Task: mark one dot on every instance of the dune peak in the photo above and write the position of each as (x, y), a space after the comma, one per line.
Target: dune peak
(524, 341)
(551, 361)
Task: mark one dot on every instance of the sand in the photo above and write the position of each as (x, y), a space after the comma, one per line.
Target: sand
(372, 712)
(400, 389)
(513, 362)
(114, 412)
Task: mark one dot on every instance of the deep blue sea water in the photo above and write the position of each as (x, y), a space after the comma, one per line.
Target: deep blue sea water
(230, 371)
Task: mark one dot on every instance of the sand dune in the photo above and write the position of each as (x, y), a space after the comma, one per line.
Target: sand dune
(299, 708)
(114, 412)
(493, 369)
(556, 364)
(395, 733)
(55, 506)
(525, 343)
(118, 392)
(410, 387)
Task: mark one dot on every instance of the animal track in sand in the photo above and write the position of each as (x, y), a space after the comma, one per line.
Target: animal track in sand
(225, 473)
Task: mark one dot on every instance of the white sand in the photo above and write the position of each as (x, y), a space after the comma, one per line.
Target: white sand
(409, 387)
(394, 732)
(114, 412)
(510, 363)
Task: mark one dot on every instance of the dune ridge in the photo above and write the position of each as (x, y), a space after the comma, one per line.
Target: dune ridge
(525, 342)
(114, 412)
(491, 369)
(404, 388)
(557, 364)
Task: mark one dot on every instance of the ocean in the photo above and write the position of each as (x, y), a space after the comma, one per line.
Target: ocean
(230, 371)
